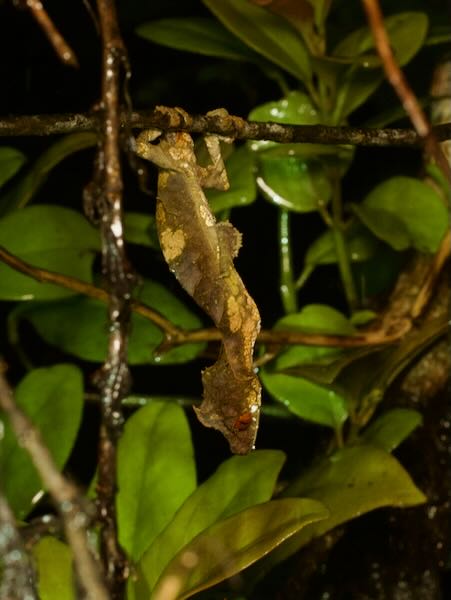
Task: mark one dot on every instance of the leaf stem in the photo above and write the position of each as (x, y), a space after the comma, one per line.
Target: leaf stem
(287, 285)
(344, 264)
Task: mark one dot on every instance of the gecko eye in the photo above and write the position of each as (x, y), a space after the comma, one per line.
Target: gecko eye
(243, 421)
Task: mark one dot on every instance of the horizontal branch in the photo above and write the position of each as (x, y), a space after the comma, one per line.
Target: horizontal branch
(236, 127)
(175, 336)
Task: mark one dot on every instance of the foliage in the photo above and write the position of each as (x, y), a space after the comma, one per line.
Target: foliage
(238, 516)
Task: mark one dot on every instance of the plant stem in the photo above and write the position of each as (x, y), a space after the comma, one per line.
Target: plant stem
(287, 285)
(344, 264)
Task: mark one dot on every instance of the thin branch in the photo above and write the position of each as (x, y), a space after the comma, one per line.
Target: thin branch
(73, 508)
(61, 47)
(174, 335)
(399, 83)
(43, 125)
(17, 576)
(103, 202)
(424, 129)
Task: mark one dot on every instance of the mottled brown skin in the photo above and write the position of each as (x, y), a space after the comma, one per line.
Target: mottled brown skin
(200, 252)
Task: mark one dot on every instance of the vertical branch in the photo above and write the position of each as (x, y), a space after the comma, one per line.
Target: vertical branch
(287, 285)
(17, 577)
(104, 198)
(423, 127)
(399, 83)
(344, 264)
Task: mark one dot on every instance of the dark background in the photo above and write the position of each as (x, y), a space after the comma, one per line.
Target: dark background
(33, 81)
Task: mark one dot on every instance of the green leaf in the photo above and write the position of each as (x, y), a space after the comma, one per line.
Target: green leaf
(295, 108)
(156, 473)
(53, 562)
(79, 326)
(141, 229)
(317, 318)
(228, 547)
(47, 236)
(362, 317)
(438, 34)
(360, 245)
(11, 160)
(314, 318)
(383, 224)
(238, 483)
(266, 33)
(407, 32)
(307, 16)
(404, 212)
(392, 427)
(52, 398)
(306, 399)
(27, 187)
(294, 183)
(242, 191)
(350, 483)
(200, 35)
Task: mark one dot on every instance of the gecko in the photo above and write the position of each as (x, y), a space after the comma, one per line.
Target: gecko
(200, 252)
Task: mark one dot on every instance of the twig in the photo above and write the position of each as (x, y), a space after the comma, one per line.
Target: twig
(399, 83)
(61, 47)
(423, 128)
(72, 507)
(43, 125)
(17, 576)
(174, 335)
(103, 200)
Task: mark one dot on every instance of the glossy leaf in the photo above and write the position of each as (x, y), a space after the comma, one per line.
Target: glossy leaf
(228, 547)
(53, 400)
(242, 191)
(295, 108)
(392, 427)
(407, 32)
(360, 245)
(266, 33)
(404, 212)
(196, 34)
(55, 575)
(11, 160)
(50, 237)
(26, 188)
(306, 16)
(314, 318)
(362, 317)
(384, 224)
(156, 473)
(317, 318)
(294, 183)
(79, 326)
(306, 399)
(238, 483)
(141, 229)
(350, 483)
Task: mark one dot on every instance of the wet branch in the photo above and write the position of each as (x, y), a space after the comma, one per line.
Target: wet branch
(174, 336)
(423, 269)
(73, 508)
(103, 204)
(61, 47)
(53, 124)
(17, 579)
